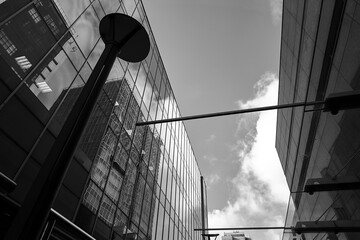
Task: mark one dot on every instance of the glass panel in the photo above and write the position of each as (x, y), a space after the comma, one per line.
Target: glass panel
(92, 197)
(107, 210)
(138, 138)
(139, 192)
(121, 157)
(86, 30)
(169, 185)
(53, 80)
(96, 53)
(102, 162)
(120, 222)
(125, 140)
(114, 183)
(70, 9)
(136, 14)
(85, 71)
(127, 189)
(25, 40)
(101, 231)
(131, 116)
(122, 100)
(134, 69)
(323, 206)
(129, 79)
(129, 6)
(72, 51)
(98, 9)
(110, 6)
(153, 213)
(51, 16)
(164, 176)
(159, 231)
(166, 226)
(145, 213)
(117, 72)
(141, 79)
(115, 124)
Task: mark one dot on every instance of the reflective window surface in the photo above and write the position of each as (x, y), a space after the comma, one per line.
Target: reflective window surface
(319, 56)
(136, 182)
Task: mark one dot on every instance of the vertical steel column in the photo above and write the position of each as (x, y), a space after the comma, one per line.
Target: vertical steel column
(202, 204)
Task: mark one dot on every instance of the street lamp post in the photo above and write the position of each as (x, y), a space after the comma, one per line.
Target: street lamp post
(124, 37)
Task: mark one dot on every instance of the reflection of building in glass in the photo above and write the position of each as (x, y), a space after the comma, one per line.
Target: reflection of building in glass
(33, 38)
(235, 236)
(320, 56)
(124, 182)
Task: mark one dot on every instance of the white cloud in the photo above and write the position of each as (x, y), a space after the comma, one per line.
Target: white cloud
(260, 189)
(276, 10)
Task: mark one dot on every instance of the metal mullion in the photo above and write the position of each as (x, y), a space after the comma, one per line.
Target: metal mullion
(13, 15)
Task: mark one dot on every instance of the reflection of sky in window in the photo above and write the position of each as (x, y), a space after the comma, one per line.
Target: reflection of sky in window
(96, 53)
(86, 30)
(129, 6)
(116, 72)
(71, 49)
(73, 9)
(141, 79)
(110, 6)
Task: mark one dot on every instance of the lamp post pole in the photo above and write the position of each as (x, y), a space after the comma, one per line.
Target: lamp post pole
(124, 37)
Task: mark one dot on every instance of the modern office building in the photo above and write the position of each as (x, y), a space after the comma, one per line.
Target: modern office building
(124, 182)
(320, 152)
(235, 236)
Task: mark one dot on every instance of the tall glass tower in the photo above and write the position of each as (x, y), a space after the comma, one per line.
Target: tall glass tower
(320, 152)
(124, 182)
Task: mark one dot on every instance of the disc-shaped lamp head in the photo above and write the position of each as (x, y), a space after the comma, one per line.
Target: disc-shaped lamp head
(128, 33)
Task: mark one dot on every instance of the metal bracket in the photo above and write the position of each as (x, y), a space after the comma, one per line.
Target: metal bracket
(328, 184)
(327, 226)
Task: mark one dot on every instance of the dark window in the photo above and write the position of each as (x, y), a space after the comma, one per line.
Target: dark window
(85, 219)
(7, 44)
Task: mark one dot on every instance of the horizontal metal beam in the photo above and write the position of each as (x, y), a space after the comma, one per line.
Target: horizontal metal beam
(242, 228)
(304, 227)
(327, 226)
(328, 184)
(234, 112)
(333, 103)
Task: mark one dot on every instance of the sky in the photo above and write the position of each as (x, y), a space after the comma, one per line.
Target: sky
(224, 55)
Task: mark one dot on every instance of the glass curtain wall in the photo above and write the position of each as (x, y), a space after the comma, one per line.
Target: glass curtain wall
(319, 56)
(125, 182)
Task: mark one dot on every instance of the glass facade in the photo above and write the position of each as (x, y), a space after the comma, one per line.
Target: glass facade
(319, 56)
(124, 182)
